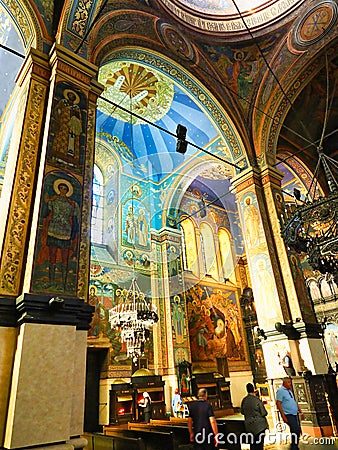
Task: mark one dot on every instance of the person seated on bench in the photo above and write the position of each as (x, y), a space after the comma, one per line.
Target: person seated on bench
(147, 407)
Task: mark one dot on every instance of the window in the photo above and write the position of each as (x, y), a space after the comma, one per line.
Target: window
(226, 255)
(210, 254)
(190, 246)
(97, 207)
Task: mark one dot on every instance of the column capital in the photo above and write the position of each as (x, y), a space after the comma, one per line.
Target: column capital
(56, 310)
(36, 65)
(72, 66)
(258, 176)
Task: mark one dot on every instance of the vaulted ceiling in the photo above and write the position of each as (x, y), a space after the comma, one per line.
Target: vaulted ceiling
(266, 62)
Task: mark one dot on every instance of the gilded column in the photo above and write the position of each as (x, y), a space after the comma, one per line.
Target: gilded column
(46, 253)
(175, 337)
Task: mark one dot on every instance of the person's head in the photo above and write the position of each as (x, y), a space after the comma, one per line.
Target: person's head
(287, 382)
(250, 388)
(71, 96)
(202, 393)
(145, 394)
(63, 189)
(177, 391)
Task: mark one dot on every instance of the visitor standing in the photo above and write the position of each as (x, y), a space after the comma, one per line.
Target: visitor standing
(202, 423)
(147, 407)
(289, 410)
(254, 418)
(177, 404)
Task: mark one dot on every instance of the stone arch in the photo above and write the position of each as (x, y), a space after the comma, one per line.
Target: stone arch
(179, 186)
(27, 23)
(199, 94)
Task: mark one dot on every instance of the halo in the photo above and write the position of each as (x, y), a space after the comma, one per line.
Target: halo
(239, 55)
(92, 286)
(68, 91)
(59, 181)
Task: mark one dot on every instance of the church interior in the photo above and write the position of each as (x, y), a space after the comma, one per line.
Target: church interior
(169, 198)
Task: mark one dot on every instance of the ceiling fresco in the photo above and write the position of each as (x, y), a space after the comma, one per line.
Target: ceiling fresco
(312, 121)
(148, 147)
(225, 7)
(229, 16)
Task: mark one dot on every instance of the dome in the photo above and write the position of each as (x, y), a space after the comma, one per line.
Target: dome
(223, 16)
(143, 373)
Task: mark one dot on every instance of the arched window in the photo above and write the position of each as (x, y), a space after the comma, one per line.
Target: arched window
(190, 247)
(226, 255)
(210, 254)
(10, 108)
(97, 207)
(204, 268)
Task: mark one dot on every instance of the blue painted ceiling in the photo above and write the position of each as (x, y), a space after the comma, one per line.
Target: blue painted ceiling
(135, 92)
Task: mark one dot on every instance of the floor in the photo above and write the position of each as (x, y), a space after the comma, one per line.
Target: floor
(279, 439)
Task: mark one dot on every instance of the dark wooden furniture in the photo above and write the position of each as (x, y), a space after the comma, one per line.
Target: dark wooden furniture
(143, 380)
(174, 435)
(116, 441)
(218, 389)
(121, 404)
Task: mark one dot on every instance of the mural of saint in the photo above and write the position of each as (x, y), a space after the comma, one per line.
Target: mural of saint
(265, 290)
(252, 225)
(130, 226)
(93, 300)
(178, 319)
(136, 225)
(59, 232)
(142, 229)
(67, 127)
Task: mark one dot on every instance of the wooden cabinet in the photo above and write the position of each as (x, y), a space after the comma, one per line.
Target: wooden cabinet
(122, 405)
(217, 387)
(143, 380)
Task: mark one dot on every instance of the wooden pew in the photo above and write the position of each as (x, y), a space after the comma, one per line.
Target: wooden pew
(180, 432)
(231, 429)
(153, 439)
(116, 441)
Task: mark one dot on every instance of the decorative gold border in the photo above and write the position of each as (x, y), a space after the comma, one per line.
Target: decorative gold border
(257, 19)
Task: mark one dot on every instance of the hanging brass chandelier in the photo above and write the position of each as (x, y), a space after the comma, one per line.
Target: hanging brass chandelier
(310, 226)
(134, 316)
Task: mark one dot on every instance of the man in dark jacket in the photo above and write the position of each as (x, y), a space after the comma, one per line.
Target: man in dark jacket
(254, 418)
(202, 423)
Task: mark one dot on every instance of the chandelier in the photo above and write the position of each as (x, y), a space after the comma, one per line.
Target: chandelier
(310, 226)
(134, 315)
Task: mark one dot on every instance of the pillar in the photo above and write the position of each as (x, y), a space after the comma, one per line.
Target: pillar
(175, 337)
(44, 265)
(284, 309)
(279, 290)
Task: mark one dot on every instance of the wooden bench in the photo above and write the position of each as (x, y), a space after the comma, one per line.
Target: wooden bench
(231, 429)
(115, 441)
(153, 439)
(180, 432)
